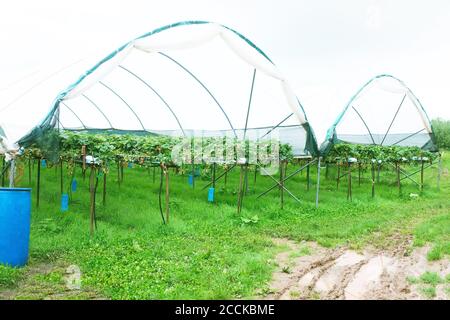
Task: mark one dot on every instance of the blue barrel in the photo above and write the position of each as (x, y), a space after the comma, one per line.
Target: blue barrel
(15, 212)
(191, 180)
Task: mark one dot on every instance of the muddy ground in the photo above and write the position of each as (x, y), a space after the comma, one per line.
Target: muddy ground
(308, 271)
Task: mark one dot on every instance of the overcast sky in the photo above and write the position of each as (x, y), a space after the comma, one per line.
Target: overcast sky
(327, 49)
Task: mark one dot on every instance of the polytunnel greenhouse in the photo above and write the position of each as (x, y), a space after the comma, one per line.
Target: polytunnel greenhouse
(170, 80)
(383, 112)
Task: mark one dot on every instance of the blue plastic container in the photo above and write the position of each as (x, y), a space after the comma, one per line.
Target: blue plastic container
(211, 194)
(130, 165)
(191, 180)
(74, 185)
(15, 212)
(64, 202)
(44, 163)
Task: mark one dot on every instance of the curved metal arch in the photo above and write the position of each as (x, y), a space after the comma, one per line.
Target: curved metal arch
(70, 109)
(204, 87)
(95, 105)
(365, 124)
(126, 103)
(157, 93)
(339, 118)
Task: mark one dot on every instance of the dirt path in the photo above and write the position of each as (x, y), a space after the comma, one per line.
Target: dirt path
(308, 271)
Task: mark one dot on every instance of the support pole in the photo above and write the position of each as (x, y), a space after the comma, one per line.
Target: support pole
(3, 171)
(373, 180)
(12, 173)
(240, 193)
(29, 172)
(359, 174)
(421, 173)
(166, 173)
(318, 183)
(308, 181)
(349, 189)
(118, 173)
(439, 172)
(61, 177)
(104, 189)
(338, 174)
(282, 184)
(193, 174)
(92, 200)
(38, 182)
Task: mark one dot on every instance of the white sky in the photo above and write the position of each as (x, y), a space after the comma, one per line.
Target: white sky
(327, 49)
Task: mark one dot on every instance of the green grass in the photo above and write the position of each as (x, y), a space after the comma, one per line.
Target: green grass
(428, 282)
(437, 231)
(208, 251)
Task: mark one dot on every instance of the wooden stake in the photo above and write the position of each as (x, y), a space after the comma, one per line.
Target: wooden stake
(281, 184)
(241, 180)
(38, 182)
(104, 188)
(29, 172)
(349, 190)
(439, 172)
(359, 174)
(92, 202)
(373, 180)
(166, 173)
(421, 175)
(61, 177)
(338, 175)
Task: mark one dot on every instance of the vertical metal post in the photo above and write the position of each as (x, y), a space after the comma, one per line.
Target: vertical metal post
(318, 183)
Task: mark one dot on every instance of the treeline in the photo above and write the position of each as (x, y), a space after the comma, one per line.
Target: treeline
(441, 130)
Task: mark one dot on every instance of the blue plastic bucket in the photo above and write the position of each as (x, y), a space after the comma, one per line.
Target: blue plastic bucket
(211, 194)
(191, 179)
(15, 212)
(64, 202)
(74, 185)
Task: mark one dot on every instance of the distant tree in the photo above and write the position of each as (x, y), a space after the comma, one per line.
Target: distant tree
(441, 130)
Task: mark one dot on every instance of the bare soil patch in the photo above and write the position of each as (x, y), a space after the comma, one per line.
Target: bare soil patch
(346, 274)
